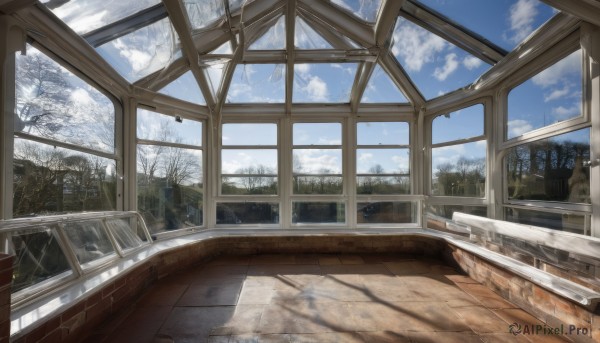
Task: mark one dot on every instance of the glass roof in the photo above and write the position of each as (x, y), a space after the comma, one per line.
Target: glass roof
(185, 88)
(273, 39)
(381, 89)
(364, 9)
(307, 38)
(323, 82)
(504, 22)
(257, 83)
(203, 12)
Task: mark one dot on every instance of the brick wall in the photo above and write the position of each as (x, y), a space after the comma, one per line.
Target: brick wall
(6, 262)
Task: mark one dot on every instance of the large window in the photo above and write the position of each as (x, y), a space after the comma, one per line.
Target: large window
(64, 148)
(169, 171)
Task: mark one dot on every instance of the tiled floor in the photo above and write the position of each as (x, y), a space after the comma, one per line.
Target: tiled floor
(320, 298)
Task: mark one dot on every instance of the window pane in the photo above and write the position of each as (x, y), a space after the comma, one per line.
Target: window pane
(378, 184)
(318, 212)
(123, 233)
(203, 12)
(249, 161)
(551, 169)
(447, 211)
(386, 212)
(255, 184)
(459, 170)
(317, 134)
(318, 184)
(89, 241)
(52, 102)
(257, 83)
(49, 180)
(381, 89)
(273, 39)
(185, 88)
(142, 52)
(38, 256)
(307, 38)
(247, 213)
(366, 9)
(382, 161)
(249, 134)
(169, 187)
(552, 96)
(382, 133)
(317, 161)
(564, 222)
(461, 124)
(163, 128)
(323, 82)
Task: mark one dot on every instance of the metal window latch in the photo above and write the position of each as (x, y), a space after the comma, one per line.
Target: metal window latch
(591, 163)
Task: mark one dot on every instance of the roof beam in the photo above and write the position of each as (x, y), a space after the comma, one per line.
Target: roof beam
(181, 23)
(340, 20)
(454, 33)
(387, 19)
(126, 25)
(360, 83)
(584, 9)
(290, 26)
(300, 56)
(163, 77)
(390, 64)
(11, 6)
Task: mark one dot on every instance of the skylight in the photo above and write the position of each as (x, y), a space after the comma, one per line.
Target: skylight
(273, 39)
(203, 12)
(257, 83)
(215, 76)
(307, 38)
(323, 82)
(364, 9)
(434, 65)
(185, 88)
(381, 89)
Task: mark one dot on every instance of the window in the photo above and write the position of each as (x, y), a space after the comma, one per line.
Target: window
(257, 83)
(318, 212)
(64, 147)
(170, 184)
(458, 153)
(247, 213)
(323, 82)
(90, 241)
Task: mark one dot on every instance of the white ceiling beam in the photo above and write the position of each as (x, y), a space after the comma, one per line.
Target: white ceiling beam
(588, 10)
(163, 77)
(300, 56)
(360, 83)
(290, 26)
(388, 14)
(182, 25)
(390, 64)
(343, 22)
(457, 35)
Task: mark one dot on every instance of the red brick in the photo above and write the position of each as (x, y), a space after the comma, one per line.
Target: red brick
(72, 311)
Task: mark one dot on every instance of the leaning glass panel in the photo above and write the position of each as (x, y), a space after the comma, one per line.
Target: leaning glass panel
(550, 169)
(169, 187)
(247, 213)
(38, 256)
(570, 222)
(386, 212)
(124, 233)
(461, 124)
(317, 184)
(142, 52)
(447, 211)
(89, 241)
(383, 184)
(459, 170)
(50, 180)
(52, 102)
(318, 212)
(552, 96)
(164, 128)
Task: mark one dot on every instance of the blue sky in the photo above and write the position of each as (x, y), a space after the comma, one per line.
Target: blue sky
(464, 123)
(152, 126)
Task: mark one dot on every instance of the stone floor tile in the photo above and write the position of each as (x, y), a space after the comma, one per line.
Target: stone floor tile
(385, 337)
(481, 319)
(328, 260)
(445, 337)
(272, 259)
(141, 325)
(211, 295)
(256, 295)
(257, 338)
(486, 296)
(502, 338)
(244, 320)
(163, 294)
(328, 337)
(230, 260)
(351, 259)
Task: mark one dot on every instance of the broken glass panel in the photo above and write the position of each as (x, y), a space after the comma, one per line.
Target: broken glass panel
(323, 82)
(185, 88)
(203, 12)
(364, 9)
(142, 52)
(381, 89)
(273, 39)
(307, 38)
(264, 83)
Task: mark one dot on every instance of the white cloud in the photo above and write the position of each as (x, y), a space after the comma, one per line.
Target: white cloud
(562, 113)
(316, 89)
(451, 64)
(81, 97)
(559, 71)
(302, 69)
(416, 46)
(522, 15)
(316, 161)
(365, 157)
(518, 127)
(556, 94)
(471, 62)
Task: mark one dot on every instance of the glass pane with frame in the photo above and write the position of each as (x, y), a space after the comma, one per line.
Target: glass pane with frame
(89, 240)
(459, 170)
(318, 212)
(124, 234)
(386, 212)
(570, 222)
(247, 213)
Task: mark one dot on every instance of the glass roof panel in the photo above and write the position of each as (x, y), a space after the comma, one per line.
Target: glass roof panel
(364, 9)
(203, 12)
(142, 52)
(434, 65)
(224, 49)
(504, 22)
(381, 89)
(235, 5)
(84, 16)
(215, 75)
(185, 88)
(307, 38)
(273, 39)
(323, 82)
(252, 83)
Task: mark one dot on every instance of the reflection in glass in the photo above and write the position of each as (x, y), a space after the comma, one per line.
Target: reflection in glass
(307, 38)
(381, 89)
(203, 12)
(49, 180)
(447, 211)
(124, 233)
(382, 133)
(382, 184)
(249, 134)
(159, 127)
(38, 256)
(321, 184)
(89, 240)
(364, 9)
(459, 170)
(552, 96)
(185, 88)
(142, 52)
(571, 222)
(52, 102)
(461, 124)
(273, 39)
(323, 82)
(247, 213)
(550, 169)
(169, 187)
(246, 185)
(386, 212)
(318, 212)
(317, 134)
